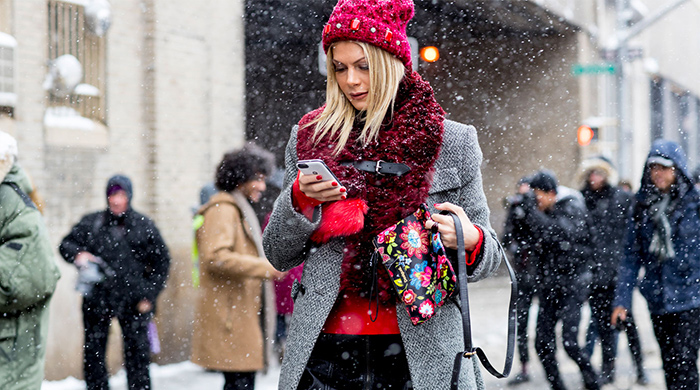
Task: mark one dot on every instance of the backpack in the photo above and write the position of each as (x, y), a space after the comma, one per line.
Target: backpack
(28, 272)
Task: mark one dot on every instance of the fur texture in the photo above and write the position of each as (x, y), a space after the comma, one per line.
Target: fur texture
(412, 137)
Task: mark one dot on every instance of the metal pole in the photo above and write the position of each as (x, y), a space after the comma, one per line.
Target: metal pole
(623, 141)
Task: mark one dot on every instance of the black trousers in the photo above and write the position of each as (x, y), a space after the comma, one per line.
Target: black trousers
(97, 316)
(356, 362)
(239, 380)
(678, 335)
(526, 292)
(561, 304)
(600, 300)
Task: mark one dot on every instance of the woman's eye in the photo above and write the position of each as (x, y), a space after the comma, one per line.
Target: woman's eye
(339, 69)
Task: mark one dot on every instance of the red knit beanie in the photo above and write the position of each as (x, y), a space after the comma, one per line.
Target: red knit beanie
(381, 23)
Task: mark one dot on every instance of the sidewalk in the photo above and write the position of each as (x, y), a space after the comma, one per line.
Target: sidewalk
(489, 300)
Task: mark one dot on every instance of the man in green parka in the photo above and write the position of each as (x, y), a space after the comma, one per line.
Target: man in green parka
(28, 276)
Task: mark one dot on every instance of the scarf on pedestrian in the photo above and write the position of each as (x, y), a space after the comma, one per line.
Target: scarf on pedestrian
(267, 294)
(661, 245)
(413, 136)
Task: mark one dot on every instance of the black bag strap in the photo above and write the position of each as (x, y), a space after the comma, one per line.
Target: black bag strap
(469, 349)
(23, 195)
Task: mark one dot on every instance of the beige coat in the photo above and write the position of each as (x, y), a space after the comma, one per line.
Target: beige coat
(227, 332)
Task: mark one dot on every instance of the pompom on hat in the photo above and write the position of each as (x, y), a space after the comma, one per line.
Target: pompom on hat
(381, 23)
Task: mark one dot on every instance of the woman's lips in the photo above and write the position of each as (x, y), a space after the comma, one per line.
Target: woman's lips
(358, 96)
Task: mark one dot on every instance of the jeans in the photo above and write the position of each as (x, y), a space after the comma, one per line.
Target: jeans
(678, 335)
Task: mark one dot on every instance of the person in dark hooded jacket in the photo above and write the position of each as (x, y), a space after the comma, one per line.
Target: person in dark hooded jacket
(134, 263)
(608, 209)
(561, 235)
(663, 239)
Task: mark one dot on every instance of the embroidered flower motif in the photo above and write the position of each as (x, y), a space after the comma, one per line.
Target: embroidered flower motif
(415, 239)
(438, 296)
(420, 275)
(409, 297)
(404, 261)
(426, 309)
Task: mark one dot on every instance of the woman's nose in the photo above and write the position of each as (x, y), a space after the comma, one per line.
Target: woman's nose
(352, 77)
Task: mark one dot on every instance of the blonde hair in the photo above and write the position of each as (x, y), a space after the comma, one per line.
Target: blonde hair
(337, 118)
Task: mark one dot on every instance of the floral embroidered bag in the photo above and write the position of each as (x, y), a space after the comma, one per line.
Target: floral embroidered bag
(417, 264)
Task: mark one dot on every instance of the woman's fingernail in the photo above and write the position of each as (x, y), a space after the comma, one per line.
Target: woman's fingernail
(343, 197)
(334, 184)
(436, 204)
(319, 177)
(342, 190)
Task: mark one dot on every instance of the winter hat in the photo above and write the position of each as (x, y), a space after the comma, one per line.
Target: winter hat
(599, 163)
(544, 180)
(121, 181)
(663, 161)
(8, 153)
(381, 23)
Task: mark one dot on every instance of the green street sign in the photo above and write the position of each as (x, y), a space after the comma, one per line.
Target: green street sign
(588, 69)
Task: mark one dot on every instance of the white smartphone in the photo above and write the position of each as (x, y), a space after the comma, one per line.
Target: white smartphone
(316, 167)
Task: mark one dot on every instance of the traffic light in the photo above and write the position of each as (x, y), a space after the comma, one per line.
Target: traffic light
(430, 54)
(586, 134)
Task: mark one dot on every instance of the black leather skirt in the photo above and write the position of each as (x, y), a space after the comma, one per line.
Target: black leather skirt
(357, 362)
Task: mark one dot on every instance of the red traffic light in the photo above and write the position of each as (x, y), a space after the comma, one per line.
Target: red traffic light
(585, 135)
(430, 54)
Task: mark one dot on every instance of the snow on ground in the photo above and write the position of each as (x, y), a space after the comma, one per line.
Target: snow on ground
(489, 301)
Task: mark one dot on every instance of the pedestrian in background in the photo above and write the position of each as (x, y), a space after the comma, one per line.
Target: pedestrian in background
(125, 250)
(385, 137)
(663, 239)
(28, 277)
(228, 335)
(608, 210)
(562, 249)
(517, 239)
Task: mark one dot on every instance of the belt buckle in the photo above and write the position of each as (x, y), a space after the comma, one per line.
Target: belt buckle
(378, 166)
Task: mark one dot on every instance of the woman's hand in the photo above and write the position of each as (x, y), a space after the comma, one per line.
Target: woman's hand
(446, 227)
(323, 191)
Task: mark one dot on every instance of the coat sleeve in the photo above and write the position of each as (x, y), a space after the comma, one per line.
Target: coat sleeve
(473, 200)
(159, 261)
(220, 251)
(629, 268)
(287, 233)
(78, 239)
(28, 274)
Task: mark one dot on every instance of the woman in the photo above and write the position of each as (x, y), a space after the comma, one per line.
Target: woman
(227, 335)
(380, 132)
(663, 239)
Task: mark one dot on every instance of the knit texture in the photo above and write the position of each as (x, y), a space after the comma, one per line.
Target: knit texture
(430, 347)
(413, 137)
(381, 23)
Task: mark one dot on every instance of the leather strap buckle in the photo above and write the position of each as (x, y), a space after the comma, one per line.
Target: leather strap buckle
(378, 167)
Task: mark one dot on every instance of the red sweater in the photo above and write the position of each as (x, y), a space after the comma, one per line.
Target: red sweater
(351, 313)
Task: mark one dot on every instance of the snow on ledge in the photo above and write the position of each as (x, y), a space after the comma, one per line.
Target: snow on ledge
(66, 117)
(86, 90)
(7, 40)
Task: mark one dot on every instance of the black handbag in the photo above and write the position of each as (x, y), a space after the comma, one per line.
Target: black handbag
(469, 349)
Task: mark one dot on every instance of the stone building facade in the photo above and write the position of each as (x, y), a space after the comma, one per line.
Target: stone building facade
(170, 90)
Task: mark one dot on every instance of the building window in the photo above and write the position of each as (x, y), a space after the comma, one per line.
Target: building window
(8, 96)
(69, 35)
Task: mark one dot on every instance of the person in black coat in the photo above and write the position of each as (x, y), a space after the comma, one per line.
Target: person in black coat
(125, 250)
(561, 235)
(517, 240)
(609, 210)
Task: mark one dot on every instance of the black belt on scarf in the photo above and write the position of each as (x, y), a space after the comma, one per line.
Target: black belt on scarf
(379, 167)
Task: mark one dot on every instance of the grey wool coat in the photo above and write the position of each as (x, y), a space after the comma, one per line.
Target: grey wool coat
(431, 346)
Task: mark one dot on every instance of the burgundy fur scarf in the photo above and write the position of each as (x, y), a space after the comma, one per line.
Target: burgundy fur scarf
(413, 137)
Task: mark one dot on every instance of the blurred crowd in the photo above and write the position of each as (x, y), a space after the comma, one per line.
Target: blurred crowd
(571, 246)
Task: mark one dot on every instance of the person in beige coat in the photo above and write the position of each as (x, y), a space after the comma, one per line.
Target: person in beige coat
(228, 336)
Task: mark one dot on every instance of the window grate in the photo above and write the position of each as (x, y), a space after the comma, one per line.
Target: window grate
(8, 44)
(68, 34)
